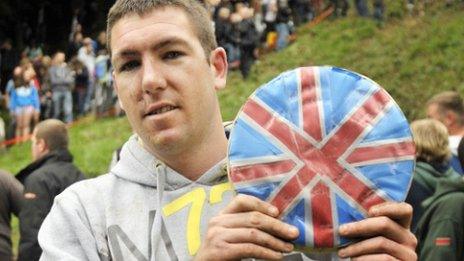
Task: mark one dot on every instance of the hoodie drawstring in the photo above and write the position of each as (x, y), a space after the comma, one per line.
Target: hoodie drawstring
(160, 169)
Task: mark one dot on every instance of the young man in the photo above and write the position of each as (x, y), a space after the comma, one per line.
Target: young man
(61, 84)
(168, 198)
(47, 176)
(448, 108)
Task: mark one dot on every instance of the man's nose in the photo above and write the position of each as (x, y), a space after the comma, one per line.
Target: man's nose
(153, 76)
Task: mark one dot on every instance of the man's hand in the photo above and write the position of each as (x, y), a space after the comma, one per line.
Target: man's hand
(385, 234)
(247, 228)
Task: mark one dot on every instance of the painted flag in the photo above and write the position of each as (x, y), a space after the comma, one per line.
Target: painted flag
(323, 145)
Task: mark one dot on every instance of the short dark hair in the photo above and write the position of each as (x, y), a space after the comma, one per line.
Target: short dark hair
(195, 11)
(54, 133)
(449, 101)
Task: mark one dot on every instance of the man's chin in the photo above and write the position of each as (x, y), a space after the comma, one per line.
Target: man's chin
(166, 142)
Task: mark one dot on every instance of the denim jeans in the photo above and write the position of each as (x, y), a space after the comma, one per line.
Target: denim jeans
(282, 35)
(62, 103)
(233, 52)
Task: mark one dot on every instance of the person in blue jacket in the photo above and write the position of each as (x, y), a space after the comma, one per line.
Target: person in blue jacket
(24, 102)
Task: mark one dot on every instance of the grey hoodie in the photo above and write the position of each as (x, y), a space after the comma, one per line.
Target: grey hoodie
(117, 216)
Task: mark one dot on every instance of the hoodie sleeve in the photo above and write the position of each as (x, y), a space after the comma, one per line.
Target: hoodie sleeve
(66, 234)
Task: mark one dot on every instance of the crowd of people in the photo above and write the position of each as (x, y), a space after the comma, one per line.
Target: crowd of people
(66, 85)
(71, 83)
(177, 157)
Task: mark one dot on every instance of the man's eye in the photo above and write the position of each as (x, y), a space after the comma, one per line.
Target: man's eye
(172, 55)
(129, 66)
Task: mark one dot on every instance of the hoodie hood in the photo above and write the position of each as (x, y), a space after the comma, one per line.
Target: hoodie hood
(444, 187)
(140, 166)
(428, 176)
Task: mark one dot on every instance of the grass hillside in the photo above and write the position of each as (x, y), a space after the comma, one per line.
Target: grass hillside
(412, 57)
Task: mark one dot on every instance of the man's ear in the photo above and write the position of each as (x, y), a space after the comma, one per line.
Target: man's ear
(219, 66)
(42, 145)
(450, 118)
(115, 86)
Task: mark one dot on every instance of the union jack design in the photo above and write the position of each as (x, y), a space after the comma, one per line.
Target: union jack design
(323, 145)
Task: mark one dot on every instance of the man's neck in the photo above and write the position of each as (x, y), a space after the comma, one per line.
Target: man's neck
(193, 164)
(198, 158)
(456, 131)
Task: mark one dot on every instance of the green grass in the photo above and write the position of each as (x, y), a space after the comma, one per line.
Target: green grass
(411, 57)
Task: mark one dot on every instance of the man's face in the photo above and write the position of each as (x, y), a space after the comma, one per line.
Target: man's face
(163, 79)
(37, 148)
(60, 58)
(433, 112)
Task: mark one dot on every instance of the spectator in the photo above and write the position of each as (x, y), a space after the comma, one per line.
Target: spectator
(7, 63)
(87, 57)
(10, 86)
(81, 83)
(340, 7)
(235, 40)
(223, 30)
(46, 97)
(61, 83)
(103, 88)
(301, 10)
(282, 25)
(448, 108)
(177, 157)
(433, 154)
(101, 42)
(361, 7)
(379, 9)
(248, 41)
(10, 203)
(24, 103)
(74, 45)
(48, 175)
(34, 51)
(270, 9)
(29, 70)
(440, 231)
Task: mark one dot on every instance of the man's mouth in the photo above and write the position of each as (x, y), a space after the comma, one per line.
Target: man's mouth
(161, 110)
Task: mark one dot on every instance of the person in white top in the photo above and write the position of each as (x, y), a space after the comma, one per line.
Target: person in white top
(448, 108)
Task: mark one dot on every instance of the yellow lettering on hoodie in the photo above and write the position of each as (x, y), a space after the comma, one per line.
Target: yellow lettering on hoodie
(196, 198)
(215, 195)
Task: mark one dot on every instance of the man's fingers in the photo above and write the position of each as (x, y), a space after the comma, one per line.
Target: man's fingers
(246, 250)
(379, 226)
(258, 237)
(256, 220)
(245, 203)
(378, 246)
(379, 257)
(400, 212)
